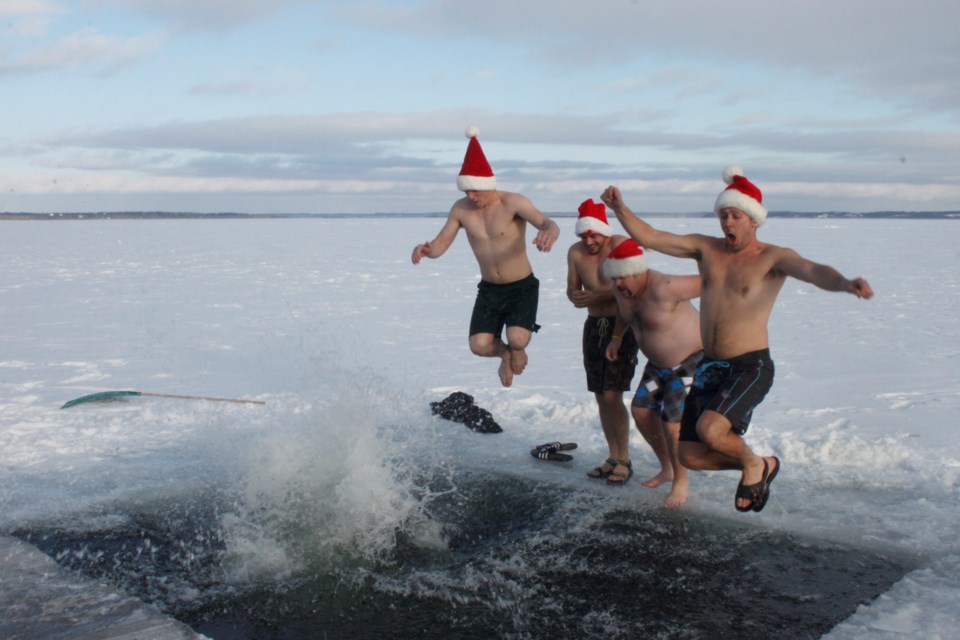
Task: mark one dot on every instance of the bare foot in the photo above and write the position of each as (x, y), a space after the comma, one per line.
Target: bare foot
(506, 373)
(678, 495)
(518, 361)
(752, 475)
(661, 478)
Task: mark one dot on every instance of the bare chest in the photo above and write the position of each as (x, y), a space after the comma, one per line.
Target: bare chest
(590, 270)
(740, 278)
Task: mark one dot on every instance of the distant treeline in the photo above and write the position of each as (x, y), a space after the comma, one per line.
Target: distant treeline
(178, 215)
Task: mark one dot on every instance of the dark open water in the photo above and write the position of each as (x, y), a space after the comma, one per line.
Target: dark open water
(521, 561)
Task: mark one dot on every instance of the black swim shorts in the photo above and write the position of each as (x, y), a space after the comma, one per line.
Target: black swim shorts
(603, 375)
(732, 388)
(512, 305)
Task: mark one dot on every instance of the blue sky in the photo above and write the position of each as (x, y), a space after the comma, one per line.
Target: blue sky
(260, 106)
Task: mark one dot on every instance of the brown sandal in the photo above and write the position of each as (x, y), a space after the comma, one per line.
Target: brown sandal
(598, 473)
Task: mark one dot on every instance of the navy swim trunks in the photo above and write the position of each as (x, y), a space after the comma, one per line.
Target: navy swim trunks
(733, 388)
(666, 388)
(512, 305)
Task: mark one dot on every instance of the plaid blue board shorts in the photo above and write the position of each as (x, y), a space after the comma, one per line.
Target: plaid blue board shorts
(665, 388)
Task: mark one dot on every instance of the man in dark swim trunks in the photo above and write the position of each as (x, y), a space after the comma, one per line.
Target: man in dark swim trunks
(588, 288)
(741, 280)
(656, 308)
(496, 224)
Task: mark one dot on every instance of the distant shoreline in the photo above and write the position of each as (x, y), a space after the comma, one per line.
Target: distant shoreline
(173, 215)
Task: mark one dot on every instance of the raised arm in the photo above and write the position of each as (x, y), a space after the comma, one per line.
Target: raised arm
(685, 246)
(439, 245)
(820, 275)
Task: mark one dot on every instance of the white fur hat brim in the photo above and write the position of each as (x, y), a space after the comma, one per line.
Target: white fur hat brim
(588, 223)
(624, 267)
(731, 198)
(477, 183)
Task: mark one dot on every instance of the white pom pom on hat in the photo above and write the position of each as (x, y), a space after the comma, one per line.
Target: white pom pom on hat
(476, 174)
(730, 171)
(741, 194)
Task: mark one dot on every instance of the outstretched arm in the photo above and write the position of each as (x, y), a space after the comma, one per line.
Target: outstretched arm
(439, 245)
(678, 288)
(820, 275)
(686, 246)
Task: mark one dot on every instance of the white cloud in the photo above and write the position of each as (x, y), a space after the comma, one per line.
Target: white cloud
(28, 18)
(568, 95)
(271, 83)
(198, 15)
(13, 9)
(82, 48)
(897, 49)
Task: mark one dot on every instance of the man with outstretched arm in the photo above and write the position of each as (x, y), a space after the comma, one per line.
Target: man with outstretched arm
(740, 280)
(656, 309)
(508, 293)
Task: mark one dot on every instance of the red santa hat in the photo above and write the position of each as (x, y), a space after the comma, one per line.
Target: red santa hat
(741, 194)
(476, 174)
(626, 259)
(593, 219)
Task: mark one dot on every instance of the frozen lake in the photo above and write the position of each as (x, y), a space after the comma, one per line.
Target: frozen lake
(342, 504)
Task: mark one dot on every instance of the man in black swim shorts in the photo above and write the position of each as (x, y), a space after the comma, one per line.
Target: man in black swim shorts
(496, 224)
(588, 288)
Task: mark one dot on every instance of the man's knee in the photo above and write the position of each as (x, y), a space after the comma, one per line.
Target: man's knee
(691, 455)
(643, 415)
(712, 427)
(483, 344)
(610, 397)
(610, 402)
(518, 338)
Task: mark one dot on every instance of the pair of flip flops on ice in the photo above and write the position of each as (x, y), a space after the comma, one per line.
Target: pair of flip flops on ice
(757, 493)
(552, 451)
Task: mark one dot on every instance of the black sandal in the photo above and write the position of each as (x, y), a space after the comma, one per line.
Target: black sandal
(622, 477)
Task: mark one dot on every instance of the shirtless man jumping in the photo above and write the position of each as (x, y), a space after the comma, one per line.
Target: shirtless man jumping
(656, 309)
(741, 278)
(508, 293)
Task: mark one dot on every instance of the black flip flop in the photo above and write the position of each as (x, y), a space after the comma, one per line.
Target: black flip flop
(759, 504)
(755, 493)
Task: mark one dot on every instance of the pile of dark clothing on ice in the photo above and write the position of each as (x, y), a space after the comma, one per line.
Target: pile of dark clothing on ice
(459, 407)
